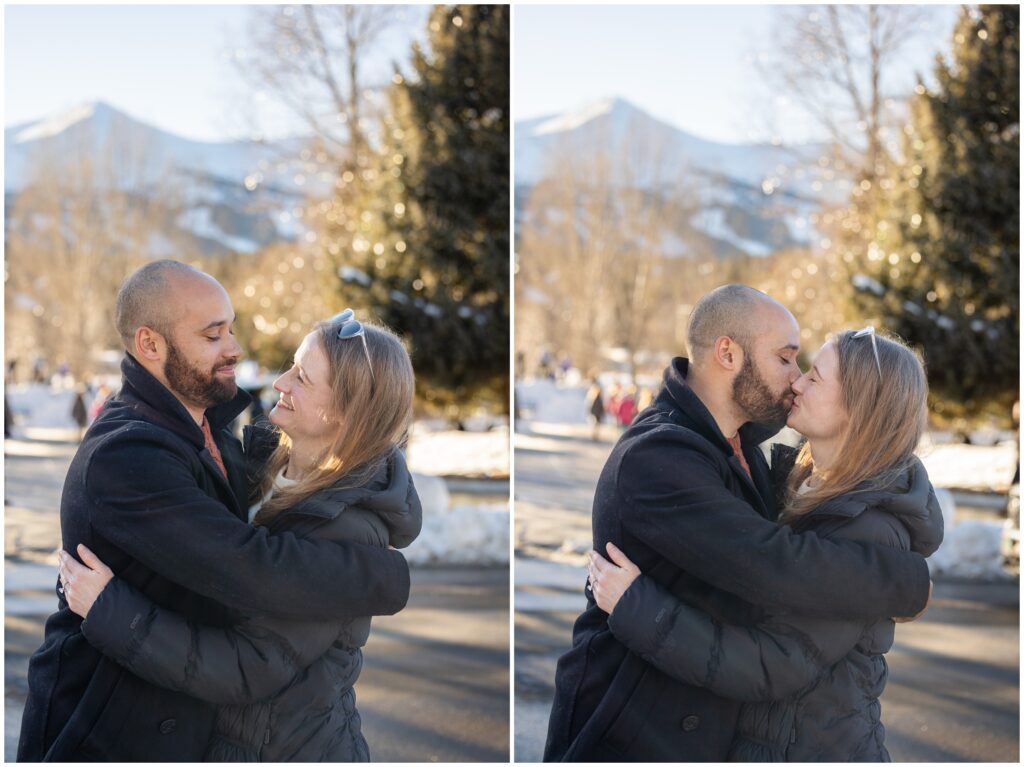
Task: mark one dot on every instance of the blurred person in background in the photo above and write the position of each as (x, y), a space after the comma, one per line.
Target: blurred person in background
(594, 404)
(625, 410)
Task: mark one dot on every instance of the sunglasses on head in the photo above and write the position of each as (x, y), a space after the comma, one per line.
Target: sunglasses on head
(351, 328)
(870, 331)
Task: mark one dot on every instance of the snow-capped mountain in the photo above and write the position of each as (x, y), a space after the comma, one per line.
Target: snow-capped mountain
(746, 198)
(235, 195)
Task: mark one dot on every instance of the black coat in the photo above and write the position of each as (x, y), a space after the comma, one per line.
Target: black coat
(146, 496)
(678, 502)
(286, 686)
(810, 686)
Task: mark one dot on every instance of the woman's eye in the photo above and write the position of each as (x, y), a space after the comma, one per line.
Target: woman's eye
(213, 338)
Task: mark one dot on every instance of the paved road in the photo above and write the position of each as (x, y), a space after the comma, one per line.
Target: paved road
(953, 691)
(435, 683)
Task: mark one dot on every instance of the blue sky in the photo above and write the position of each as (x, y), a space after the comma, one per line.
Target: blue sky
(688, 65)
(166, 65)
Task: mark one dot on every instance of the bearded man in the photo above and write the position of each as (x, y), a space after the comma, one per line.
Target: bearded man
(686, 494)
(158, 491)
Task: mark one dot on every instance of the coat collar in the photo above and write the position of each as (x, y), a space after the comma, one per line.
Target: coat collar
(687, 409)
(144, 394)
(909, 497)
(391, 495)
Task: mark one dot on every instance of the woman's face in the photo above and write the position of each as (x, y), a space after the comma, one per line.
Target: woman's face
(818, 411)
(305, 410)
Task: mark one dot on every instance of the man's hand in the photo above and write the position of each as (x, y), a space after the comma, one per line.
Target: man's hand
(609, 582)
(82, 583)
(923, 611)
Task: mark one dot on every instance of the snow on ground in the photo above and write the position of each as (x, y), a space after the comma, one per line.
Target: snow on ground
(468, 533)
(459, 453)
(463, 534)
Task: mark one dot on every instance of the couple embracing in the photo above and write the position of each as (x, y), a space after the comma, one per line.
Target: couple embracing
(214, 594)
(747, 607)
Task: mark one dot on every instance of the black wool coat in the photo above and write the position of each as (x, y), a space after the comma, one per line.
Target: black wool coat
(147, 497)
(677, 501)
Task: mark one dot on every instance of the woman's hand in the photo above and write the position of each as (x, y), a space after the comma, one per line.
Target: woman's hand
(608, 582)
(82, 583)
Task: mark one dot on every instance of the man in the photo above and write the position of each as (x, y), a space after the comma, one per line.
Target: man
(158, 491)
(686, 494)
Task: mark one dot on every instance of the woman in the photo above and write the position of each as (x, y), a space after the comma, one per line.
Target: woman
(335, 472)
(810, 686)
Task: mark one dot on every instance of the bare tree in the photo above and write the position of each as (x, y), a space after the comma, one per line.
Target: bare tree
(592, 253)
(836, 62)
(308, 57)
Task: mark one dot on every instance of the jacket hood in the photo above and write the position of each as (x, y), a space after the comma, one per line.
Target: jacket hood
(391, 495)
(910, 498)
(143, 394)
(678, 394)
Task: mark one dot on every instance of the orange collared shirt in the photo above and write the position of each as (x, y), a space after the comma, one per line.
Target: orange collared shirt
(212, 447)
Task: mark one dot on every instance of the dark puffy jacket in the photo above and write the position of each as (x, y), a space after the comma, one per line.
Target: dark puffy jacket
(145, 495)
(285, 687)
(811, 684)
(676, 499)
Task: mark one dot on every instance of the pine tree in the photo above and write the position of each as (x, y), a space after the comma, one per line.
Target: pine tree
(437, 252)
(940, 265)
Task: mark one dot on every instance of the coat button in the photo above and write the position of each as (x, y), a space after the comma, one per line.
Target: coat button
(167, 726)
(691, 723)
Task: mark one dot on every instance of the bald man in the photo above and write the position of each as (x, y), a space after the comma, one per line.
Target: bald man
(158, 491)
(686, 494)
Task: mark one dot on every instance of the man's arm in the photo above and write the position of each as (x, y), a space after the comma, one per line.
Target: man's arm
(145, 501)
(696, 523)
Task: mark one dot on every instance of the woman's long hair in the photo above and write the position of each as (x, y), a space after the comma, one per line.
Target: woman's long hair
(887, 418)
(374, 414)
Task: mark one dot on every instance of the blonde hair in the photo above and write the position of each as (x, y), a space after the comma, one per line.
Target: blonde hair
(887, 418)
(374, 414)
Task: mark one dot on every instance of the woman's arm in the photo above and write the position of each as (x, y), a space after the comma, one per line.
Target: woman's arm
(774, 659)
(242, 663)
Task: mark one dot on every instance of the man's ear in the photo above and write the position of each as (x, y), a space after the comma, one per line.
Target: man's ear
(727, 353)
(150, 345)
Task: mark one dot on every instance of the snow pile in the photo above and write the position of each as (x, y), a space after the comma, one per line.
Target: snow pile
(37, 405)
(459, 453)
(545, 401)
(971, 548)
(982, 468)
(461, 535)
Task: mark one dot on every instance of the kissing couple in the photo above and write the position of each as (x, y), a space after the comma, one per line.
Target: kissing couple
(744, 609)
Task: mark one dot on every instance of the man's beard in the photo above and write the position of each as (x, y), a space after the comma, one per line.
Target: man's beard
(199, 388)
(756, 399)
